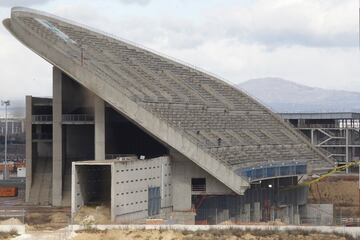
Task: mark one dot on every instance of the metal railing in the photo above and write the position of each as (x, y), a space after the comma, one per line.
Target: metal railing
(42, 118)
(12, 213)
(65, 118)
(198, 188)
(118, 156)
(274, 171)
(77, 118)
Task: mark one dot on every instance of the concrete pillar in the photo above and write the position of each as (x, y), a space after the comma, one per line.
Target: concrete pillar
(181, 183)
(296, 220)
(221, 216)
(291, 214)
(57, 138)
(28, 146)
(283, 214)
(272, 214)
(257, 212)
(99, 111)
(245, 213)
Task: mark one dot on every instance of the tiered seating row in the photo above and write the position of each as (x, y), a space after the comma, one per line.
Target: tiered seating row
(224, 121)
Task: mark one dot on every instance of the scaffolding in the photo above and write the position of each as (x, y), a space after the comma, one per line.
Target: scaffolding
(337, 133)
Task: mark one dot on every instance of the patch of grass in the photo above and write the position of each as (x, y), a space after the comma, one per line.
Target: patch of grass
(37, 218)
(7, 235)
(186, 232)
(346, 236)
(92, 230)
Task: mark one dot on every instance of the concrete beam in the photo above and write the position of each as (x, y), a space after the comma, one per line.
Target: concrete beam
(99, 111)
(57, 138)
(28, 146)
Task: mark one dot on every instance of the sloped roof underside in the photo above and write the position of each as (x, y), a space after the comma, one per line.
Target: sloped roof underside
(222, 121)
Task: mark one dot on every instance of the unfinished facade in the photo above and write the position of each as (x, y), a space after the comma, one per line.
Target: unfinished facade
(337, 133)
(125, 116)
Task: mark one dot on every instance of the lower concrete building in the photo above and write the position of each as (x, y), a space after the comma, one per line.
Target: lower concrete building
(149, 137)
(132, 189)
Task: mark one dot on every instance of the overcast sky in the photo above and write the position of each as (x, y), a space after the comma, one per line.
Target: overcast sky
(311, 42)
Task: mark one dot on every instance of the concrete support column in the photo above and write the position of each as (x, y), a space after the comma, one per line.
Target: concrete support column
(291, 214)
(57, 138)
(257, 212)
(181, 187)
(181, 182)
(28, 146)
(272, 214)
(296, 220)
(245, 213)
(99, 111)
(222, 216)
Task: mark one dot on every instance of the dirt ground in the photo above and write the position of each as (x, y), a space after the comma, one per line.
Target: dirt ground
(8, 235)
(10, 221)
(341, 191)
(93, 215)
(203, 235)
(51, 220)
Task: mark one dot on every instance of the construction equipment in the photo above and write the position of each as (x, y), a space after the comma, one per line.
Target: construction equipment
(8, 191)
(331, 172)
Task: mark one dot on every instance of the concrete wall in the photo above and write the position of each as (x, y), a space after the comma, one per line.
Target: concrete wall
(29, 146)
(57, 138)
(183, 170)
(317, 214)
(77, 198)
(130, 181)
(99, 113)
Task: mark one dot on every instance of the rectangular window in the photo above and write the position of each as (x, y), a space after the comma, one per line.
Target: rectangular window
(198, 184)
(154, 201)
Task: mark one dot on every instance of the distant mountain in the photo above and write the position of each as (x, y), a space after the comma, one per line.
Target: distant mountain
(285, 96)
(278, 94)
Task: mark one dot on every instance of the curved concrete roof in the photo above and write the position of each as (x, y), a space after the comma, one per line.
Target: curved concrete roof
(207, 120)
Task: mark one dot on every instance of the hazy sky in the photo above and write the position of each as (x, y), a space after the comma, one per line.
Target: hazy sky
(312, 42)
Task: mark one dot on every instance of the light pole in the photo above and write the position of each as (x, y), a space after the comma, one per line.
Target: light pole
(6, 103)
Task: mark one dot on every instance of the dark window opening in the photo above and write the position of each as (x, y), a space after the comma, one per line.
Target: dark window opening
(198, 184)
(125, 138)
(95, 184)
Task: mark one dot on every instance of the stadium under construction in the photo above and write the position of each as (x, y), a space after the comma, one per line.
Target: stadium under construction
(150, 137)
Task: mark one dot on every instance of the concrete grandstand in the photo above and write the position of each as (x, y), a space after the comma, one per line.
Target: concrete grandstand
(151, 137)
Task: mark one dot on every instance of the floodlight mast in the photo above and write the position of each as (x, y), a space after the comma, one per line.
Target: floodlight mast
(5, 103)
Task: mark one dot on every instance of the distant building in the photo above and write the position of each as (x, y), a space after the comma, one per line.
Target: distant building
(15, 126)
(338, 133)
(16, 139)
(150, 137)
